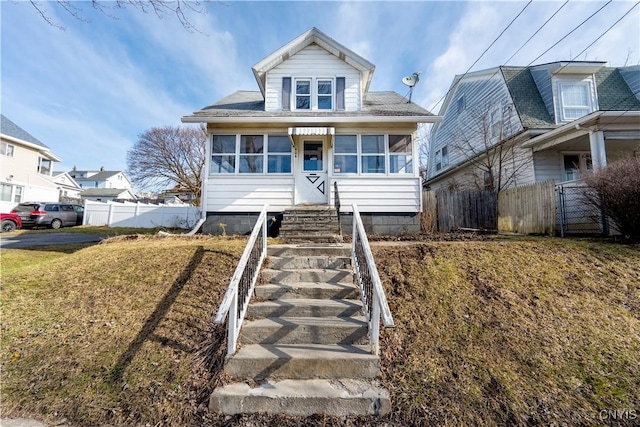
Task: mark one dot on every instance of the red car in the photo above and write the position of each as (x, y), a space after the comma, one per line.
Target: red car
(10, 221)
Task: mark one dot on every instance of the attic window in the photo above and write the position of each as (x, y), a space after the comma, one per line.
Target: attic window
(303, 94)
(325, 94)
(460, 104)
(575, 100)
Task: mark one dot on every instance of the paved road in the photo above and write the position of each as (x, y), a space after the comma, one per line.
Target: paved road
(22, 241)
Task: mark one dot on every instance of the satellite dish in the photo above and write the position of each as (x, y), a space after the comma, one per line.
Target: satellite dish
(411, 81)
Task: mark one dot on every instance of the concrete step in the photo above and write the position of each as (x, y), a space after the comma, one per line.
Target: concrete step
(273, 291)
(305, 330)
(302, 398)
(302, 361)
(299, 307)
(311, 238)
(332, 250)
(306, 275)
(297, 262)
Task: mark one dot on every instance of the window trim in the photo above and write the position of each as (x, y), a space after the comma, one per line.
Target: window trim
(5, 151)
(41, 160)
(237, 155)
(592, 101)
(314, 94)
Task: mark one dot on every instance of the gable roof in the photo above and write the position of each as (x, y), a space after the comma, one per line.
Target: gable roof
(313, 36)
(7, 127)
(100, 176)
(243, 105)
(105, 192)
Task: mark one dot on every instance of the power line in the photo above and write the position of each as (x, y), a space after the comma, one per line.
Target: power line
(485, 51)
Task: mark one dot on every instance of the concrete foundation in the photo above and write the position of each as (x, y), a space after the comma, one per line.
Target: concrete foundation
(235, 223)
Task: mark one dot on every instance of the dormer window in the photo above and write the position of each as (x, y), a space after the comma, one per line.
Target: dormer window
(575, 98)
(303, 94)
(325, 95)
(314, 94)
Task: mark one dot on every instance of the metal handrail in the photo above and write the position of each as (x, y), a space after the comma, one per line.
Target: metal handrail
(337, 205)
(236, 299)
(374, 300)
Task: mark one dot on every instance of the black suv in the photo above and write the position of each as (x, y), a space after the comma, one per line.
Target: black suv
(54, 215)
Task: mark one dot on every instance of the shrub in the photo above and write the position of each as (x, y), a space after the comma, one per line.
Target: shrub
(618, 195)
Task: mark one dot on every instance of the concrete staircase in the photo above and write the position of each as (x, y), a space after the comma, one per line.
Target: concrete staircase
(310, 223)
(303, 346)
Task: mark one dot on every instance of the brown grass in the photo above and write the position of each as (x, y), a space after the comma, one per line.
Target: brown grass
(517, 332)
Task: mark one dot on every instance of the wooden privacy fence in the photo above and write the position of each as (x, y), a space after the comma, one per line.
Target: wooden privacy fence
(466, 209)
(530, 209)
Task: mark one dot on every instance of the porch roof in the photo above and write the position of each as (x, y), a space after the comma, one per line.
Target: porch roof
(608, 121)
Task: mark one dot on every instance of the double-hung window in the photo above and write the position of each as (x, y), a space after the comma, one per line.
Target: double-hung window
(223, 154)
(345, 158)
(251, 154)
(10, 193)
(325, 94)
(400, 154)
(575, 100)
(373, 154)
(279, 154)
(303, 94)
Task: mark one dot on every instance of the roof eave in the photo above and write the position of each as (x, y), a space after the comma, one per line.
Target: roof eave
(358, 119)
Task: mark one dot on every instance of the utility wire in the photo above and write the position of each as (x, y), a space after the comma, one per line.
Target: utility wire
(485, 51)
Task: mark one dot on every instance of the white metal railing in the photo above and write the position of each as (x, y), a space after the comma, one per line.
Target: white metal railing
(372, 293)
(236, 300)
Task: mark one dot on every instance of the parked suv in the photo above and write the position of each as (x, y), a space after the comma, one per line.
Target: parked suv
(54, 215)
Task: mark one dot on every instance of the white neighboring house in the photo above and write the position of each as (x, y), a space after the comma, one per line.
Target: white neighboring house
(26, 166)
(313, 123)
(67, 186)
(102, 185)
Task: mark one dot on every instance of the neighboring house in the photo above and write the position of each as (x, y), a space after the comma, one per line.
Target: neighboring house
(177, 195)
(313, 123)
(68, 188)
(509, 126)
(26, 166)
(107, 194)
(101, 179)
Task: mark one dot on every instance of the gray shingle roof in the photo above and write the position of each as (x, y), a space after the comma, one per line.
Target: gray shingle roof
(100, 176)
(244, 104)
(614, 93)
(526, 98)
(104, 192)
(11, 129)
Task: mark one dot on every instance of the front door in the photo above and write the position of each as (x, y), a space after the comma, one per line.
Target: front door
(311, 177)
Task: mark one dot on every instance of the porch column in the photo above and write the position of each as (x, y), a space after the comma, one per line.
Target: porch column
(598, 153)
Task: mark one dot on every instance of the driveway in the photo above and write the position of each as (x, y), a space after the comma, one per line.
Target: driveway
(30, 240)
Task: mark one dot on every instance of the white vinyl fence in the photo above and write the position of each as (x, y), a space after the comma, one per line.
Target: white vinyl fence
(140, 215)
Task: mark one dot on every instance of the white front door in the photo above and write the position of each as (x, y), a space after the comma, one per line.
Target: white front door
(311, 177)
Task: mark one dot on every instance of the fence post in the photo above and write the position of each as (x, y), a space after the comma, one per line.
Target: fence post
(110, 217)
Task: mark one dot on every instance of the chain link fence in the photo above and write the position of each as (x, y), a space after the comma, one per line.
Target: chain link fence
(576, 214)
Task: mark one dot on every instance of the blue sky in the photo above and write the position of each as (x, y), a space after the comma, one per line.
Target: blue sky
(88, 91)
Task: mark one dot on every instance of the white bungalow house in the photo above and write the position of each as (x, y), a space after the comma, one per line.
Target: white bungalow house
(312, 124)
(536, 123)
(68, 188)
(26, 166)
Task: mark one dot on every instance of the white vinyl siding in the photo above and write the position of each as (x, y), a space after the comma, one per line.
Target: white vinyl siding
(481, 96)
(247, 193)
(379, 194)
(313, 62)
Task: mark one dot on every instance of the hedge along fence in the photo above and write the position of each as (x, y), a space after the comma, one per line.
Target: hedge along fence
(140, 215)
(529, 209)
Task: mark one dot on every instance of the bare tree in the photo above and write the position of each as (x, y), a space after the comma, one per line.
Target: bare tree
(169, 156)
(161, 8)
(487, 140)
(424, 146)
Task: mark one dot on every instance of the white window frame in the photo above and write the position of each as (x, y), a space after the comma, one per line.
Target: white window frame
(495, 122)
(269, 153)
(438, 160)
(313, 94)
(42, 160)
(445, 155)
(16, 193)
(7, 149)
(584, 160)
(589, 107)
(460, 104)
(237, 155)
(384, 154)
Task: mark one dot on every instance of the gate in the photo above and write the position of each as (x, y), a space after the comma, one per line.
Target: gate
(576, 213)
